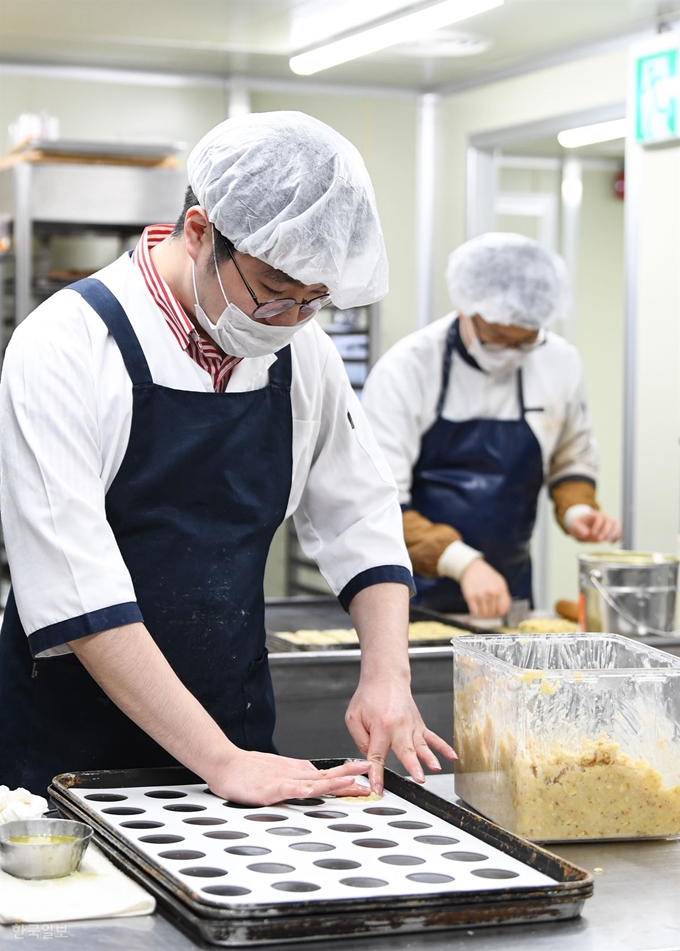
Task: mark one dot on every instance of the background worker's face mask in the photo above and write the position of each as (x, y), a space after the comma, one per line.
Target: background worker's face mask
(493, 359)
(238, 334)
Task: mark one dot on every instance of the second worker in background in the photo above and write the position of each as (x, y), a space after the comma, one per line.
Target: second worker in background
(474, 413)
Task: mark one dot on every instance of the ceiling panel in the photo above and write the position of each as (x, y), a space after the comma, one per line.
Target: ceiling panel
(256, 37)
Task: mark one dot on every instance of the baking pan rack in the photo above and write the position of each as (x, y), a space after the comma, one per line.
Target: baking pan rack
(322, 613)
(235, 875)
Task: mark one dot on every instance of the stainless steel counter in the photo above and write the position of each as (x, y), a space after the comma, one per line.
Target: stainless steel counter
(636, 907)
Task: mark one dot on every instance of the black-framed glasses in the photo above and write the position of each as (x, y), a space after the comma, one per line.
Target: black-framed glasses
(270, 308)
(522, 346)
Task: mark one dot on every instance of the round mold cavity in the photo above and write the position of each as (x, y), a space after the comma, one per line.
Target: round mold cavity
(239, 805)
(311, 846)
(494, 873)
(401, 860)
(384, 811)
(296, 886)
(203, 871)
(436, 840)
(143, 824)
(185, 807)
(166, 794)
(124, 811)
(304, 802)
(271, 868)
(265, 817)
(326, 814)
(362, 882)
(465, 856)
(248, 850)
(288, 830)
(337, 863)
(430, 878)
(349, 827)
(409, 824)
(225, 834)
(182, 855)
(375, 843)
(161, 839)
(105, 797)
(205, 821)
(225, 890)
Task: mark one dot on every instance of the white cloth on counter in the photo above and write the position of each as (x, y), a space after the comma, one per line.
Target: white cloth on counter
(97, 890)
(19, 803)
(401, 394)
(65, 416)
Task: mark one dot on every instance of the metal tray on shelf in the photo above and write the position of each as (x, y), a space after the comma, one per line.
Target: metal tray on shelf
(326, 613)
(323, 898)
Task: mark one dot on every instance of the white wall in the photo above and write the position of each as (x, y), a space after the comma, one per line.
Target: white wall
(657, 385)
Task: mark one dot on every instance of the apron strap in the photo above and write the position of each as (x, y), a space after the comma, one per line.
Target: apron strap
(520, 393)
(107, 305)
(280, 372)
(451, 339)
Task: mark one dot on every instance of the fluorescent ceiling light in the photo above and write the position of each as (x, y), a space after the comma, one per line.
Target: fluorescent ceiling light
(411, 26)
(590, 134)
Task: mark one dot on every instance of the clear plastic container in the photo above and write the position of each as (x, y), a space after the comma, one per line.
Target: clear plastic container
(563, 736)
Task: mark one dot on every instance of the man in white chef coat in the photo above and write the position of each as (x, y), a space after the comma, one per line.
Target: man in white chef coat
(474, 413)
(159, 421)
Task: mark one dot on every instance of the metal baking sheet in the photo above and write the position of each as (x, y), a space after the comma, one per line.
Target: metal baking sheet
(324, 613)
(410, 860)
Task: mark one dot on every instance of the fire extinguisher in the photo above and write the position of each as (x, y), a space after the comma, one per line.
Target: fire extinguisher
(620, 184)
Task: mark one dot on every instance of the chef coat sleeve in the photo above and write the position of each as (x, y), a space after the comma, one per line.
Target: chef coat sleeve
(401, 405)
(348, 520)
(68, 576)
(573, 465)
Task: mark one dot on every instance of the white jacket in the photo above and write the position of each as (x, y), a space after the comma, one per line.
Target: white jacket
(65, 416)
(401, 395)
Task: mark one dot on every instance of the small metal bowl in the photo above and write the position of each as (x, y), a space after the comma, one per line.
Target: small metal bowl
(43, 859)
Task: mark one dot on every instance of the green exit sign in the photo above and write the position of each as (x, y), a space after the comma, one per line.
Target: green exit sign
(657, 96)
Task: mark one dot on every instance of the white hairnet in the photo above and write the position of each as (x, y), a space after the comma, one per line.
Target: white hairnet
(508, 279)
(291, 191)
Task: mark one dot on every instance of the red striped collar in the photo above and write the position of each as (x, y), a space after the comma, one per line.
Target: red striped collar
(205, 353)
(177, 320)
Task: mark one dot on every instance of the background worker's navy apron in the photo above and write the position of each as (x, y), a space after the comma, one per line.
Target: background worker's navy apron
(482, 476)
(201, 490)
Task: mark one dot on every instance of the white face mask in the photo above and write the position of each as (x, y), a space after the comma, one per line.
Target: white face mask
(240, 335)
(496, 362)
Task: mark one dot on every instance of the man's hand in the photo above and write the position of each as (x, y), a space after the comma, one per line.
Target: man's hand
(382, 715)
(261, 779)
(485, 590)
(127, 663)
(595, 527)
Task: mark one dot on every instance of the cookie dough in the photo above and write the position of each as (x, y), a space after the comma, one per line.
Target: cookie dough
(590, 791)
(417, 631)
(371, 797)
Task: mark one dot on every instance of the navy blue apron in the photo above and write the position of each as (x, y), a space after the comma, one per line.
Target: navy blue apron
(482, 476)
(202, 488)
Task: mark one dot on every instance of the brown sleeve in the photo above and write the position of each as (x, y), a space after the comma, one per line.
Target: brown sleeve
(425, 541)
(566, 494)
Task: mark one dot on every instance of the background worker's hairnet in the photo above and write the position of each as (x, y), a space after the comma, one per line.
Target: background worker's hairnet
(291, 191)
(508, 279)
